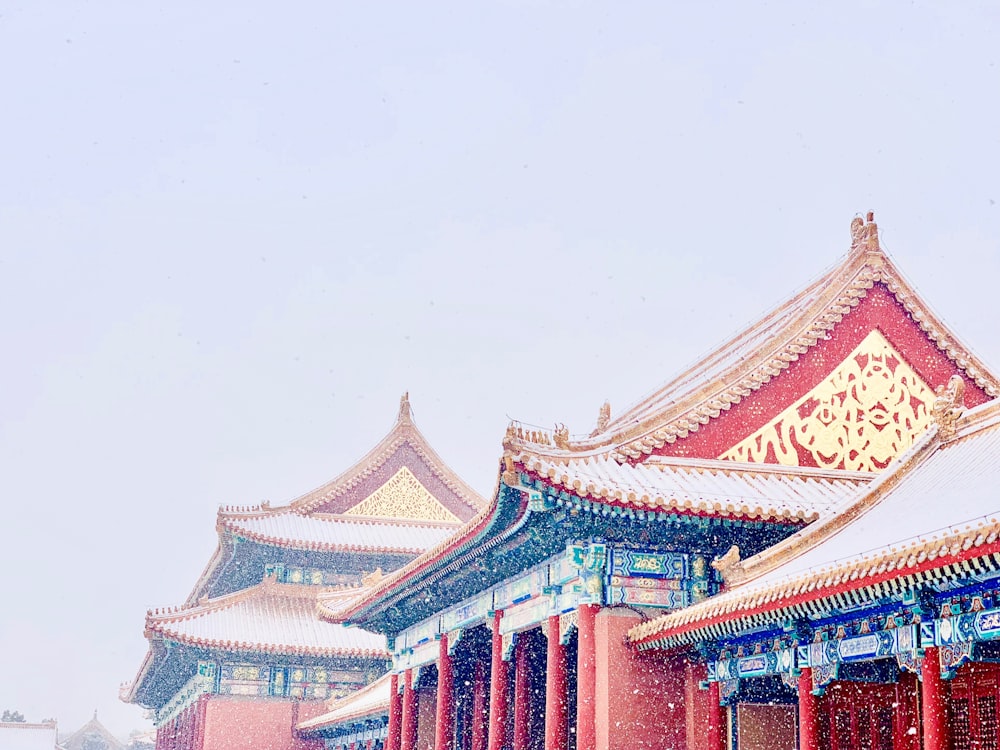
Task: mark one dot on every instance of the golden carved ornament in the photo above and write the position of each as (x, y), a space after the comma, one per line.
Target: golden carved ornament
(868, 411)
(560, 436)
(603, 419)
(948, 406)
(403, 496)
(864, 234)
(727, 562)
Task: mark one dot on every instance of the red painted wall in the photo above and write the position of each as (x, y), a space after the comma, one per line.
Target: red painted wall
(426, 718)
(237, 723)
(696, 702)
(640, 699)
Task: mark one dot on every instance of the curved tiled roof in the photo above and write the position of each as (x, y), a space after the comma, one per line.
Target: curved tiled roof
(370, 701)
(270, 618)
(899, 528)
(704, 487)
(756, 356)
(288, 528)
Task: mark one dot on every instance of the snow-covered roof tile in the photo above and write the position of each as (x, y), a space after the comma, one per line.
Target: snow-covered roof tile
(698, 486)
(336, 532)
(940, 501)
(269, 618)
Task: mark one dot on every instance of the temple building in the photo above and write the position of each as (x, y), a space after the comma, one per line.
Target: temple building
(776, 549)
(247, 656)
(92, 736)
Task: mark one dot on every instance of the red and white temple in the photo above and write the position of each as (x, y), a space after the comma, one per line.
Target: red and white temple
(791, 544)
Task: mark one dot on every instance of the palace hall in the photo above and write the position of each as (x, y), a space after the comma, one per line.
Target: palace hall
(792, 544)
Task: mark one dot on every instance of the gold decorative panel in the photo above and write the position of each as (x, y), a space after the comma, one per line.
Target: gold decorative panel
(403, 496)
(868, 411)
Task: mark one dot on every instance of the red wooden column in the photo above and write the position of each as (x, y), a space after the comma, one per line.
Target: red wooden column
(479, 707)
(586, 689)
(934, 714)
(556, 723)
(395, 714)
(522, 697)
(808, 712)
(498, 689)
(443, 727)
(716, 737)
(408, 735)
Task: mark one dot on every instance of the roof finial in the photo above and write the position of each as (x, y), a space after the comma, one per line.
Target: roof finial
(405, 413)
(864, 234)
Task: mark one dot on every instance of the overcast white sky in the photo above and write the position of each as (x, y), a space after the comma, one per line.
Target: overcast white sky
(231, 234)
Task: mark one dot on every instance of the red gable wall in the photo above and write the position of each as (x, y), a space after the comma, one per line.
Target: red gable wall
(878, 310)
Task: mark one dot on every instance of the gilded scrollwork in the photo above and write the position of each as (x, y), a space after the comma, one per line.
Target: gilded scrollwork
(868, 411)
(403, 496)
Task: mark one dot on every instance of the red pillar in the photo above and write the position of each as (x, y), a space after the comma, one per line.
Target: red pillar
(716, 737)
(408, 734)
(522, 697)
(445, 703)
(395, 714)
(498, 689)
(808, 712)
(479, 707)
(932, 705)
(586, 690)
(555, 690)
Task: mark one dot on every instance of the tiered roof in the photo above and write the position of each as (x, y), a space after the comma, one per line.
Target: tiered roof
(898, 533)
(762, 371)
(399, 500)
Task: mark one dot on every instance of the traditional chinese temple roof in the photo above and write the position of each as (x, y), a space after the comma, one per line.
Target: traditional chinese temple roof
(342, 533)
(863, 304)
(90, 735)
(399, 500)
(897, 533)
(400, 478)
(271, 617)
(704, 487)
(369, 702)
(658, 493)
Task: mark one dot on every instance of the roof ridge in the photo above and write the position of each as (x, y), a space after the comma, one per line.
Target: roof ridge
(404, 430)
(678, 408)
(929, 546)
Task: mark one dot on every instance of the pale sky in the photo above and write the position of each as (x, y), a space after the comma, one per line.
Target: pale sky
(231, 234)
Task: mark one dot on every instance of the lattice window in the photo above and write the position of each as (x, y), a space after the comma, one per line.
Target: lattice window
(885, 738)
(867, 412)
(864, 729)
(987, 708)
(958, 724)
(403, 496)
(842, 730)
